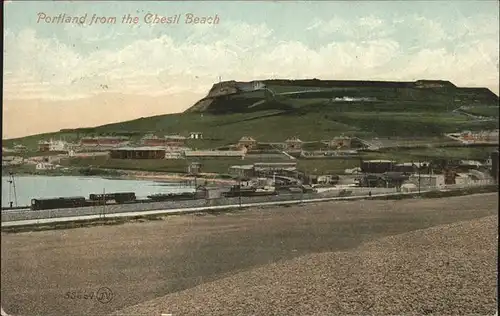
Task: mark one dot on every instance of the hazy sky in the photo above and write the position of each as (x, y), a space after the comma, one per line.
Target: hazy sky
(451, 40)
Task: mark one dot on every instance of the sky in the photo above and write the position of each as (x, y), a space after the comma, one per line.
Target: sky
(53, 66)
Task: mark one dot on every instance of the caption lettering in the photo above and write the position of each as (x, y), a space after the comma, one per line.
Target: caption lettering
(103, 295)
(148, 18)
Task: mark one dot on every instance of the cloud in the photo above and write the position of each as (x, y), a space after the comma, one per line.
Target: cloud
(363, 28)
(364, 48)
(429, 30)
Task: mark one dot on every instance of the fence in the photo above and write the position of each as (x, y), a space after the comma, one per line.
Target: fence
(221, 201)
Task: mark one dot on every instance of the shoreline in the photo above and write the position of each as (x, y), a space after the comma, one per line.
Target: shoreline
(132, 175)
(144, 175)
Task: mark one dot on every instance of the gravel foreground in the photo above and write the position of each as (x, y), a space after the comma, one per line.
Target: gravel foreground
(443, 270)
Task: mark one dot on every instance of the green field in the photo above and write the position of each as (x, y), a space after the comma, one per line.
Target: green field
(491, 111)
(317, 166)
(208, 165)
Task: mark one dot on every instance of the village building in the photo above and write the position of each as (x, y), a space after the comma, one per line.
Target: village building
(20, 148)
(7, 150)
(195, 135)
(45, 166)
(194, 168)
(427, 180)
(43, 146)
(340, 142)
(152, 140)
(411, 167)
(137, 153)
(57, 145)
(264, 169)
(468, 137)
(285, 169)
(242, 171)
(377, 166)
(12, 160)
(250, 86)
(323, 179)
(103, 142)
(293, 143)
(173, 155)
(175, 141)
(247, 142)
(215, 153)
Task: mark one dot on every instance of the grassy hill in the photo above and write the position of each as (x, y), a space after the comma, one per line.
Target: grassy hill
(312, 110)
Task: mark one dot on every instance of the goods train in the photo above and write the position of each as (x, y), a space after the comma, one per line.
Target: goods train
(117, 197)
(237, 190)
(80, 201)
(176, 196)
(67, 202)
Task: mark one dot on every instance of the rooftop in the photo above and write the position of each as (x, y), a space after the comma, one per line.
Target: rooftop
(378, 161)
(422, 175)
(410, 164)
(106, 137)
(174, 137)
(293, 140)
(245, 167)
(275, 164)
(247, 138)
(150, 148)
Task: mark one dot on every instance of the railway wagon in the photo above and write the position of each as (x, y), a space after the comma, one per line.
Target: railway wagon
(61, 202)
(117, 197)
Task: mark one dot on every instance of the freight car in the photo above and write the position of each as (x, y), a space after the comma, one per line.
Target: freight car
(62, 202)
(174, 196)
(117, 197)
(236, 191)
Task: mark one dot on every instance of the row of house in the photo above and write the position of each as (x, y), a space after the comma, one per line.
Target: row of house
(108, 142)
(54, 145)
(484, 137)
(157, 152)
(294, 143)
(176, 142)
(264, 168)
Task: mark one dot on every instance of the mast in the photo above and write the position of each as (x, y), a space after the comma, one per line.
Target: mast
(12, 187)
(10, 193)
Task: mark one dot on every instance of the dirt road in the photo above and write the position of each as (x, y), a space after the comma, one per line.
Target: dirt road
(43, 273)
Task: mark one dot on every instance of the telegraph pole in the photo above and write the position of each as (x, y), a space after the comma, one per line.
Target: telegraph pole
(195, 187)
(239, 190)
(104, 202)
(10, 194)
(418, 168)
(12, 186)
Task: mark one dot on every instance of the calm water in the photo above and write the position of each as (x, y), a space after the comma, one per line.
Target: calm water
(29, 187)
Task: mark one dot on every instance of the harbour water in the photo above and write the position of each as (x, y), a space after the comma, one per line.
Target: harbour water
(29, 187)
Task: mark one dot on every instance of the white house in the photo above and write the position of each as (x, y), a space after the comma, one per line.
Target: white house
(58, 145)
(251, 86)
(12, 160)
(427, 180)
(195, 135)
(45, 166)
(408, 187)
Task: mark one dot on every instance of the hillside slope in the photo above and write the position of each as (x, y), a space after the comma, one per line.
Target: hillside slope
(233, 96)
(273, 110)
